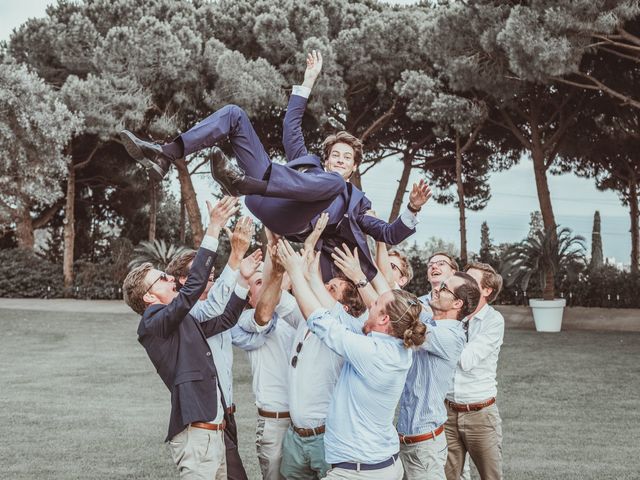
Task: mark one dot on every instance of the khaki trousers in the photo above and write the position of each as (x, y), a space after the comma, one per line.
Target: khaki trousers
(270, 434)
(480, 434)
(199, 454)
(425, 459)
(392, 472)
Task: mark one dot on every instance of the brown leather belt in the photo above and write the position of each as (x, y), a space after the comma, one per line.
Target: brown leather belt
(231, 410)
(309, 432)
(209, 426)
(264, 413)
(470, 407)
(409, 439)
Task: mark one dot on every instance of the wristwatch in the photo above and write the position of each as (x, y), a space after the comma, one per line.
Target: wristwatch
(362, 283)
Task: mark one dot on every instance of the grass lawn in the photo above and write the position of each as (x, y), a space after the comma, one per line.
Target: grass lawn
(80, 399)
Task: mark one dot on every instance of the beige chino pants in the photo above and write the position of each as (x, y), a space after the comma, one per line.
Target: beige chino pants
(270, 434)
(480, 434)
(199, 454)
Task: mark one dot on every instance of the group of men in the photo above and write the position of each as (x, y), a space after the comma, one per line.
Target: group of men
(335, 343)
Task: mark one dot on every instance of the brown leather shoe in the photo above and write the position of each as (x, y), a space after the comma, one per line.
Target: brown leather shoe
(147, 154)
(226, 173)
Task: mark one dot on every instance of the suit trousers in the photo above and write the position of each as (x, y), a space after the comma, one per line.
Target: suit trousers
(425, 459)
(270, 434)
(235, 469)
(480, 434)
(199, 454)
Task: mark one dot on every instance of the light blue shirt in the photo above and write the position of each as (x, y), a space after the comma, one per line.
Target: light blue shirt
(359, 424)
(430, 377)
(221, 344)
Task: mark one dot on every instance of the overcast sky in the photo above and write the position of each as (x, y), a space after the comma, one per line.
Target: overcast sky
(513, 192)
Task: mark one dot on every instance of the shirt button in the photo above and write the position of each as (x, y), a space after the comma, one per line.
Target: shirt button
(208, 354)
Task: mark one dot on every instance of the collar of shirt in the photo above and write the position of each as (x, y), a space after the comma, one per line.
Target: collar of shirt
(481, 314)
(386, 337)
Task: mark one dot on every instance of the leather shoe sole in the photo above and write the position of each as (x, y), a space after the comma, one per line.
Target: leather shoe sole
(130, 143)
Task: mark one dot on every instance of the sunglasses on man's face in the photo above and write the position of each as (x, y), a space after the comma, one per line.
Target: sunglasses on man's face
(444, 288)
(163, 276)
(397, 269)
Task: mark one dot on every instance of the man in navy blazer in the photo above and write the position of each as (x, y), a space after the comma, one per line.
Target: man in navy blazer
(177, 346)
(289, 198)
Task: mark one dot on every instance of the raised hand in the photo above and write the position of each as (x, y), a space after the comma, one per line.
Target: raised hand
(250, 265)
(420, 194)
(292, 261)
(241, 237)
(220, 213)
(314, 67)
(312, 239)
(276, 265)
(348, 263)
(272, 238)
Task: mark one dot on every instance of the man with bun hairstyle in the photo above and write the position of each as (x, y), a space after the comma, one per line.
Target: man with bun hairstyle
(474, 425)
(360, 439)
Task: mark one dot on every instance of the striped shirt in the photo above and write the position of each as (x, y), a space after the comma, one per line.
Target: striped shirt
(430, 377)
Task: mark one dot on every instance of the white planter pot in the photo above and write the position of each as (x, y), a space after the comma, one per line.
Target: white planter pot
(547, 314)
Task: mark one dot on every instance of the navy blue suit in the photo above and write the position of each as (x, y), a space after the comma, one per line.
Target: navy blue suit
(348, 221)
(177, 346)
(294, 198)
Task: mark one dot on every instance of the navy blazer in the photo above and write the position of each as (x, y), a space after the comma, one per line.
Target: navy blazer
(360, 224)
(177, 346)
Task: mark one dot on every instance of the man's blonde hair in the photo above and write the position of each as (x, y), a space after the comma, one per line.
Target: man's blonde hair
(490, 278)
(134, 287)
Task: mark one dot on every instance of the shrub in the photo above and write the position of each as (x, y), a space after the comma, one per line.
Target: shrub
(23, 273)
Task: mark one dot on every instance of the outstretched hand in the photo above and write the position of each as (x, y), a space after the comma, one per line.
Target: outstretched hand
(291, 260)
(420, 194)
(220, 213)
(250, 264)
(314, 67)
(314, 236)
(348, 263)
(241, 236)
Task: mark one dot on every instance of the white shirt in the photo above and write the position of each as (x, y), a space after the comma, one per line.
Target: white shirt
(475, 377)
(220, 344)
(269, 362)
(313, 379)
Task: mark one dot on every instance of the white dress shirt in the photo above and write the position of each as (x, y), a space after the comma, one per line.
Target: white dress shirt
(313, 379)
(269, 363)
(475, 377)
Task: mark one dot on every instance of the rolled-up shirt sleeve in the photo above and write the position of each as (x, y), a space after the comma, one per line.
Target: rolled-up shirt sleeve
(301, 91)
(410, 219)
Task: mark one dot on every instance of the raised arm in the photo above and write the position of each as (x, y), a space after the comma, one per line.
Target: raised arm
(294, 263)
(166, 320)
(271, 291)
(292, 137)
(349, 264)
(403, 226)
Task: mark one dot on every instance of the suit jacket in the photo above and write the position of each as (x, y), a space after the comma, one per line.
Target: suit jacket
(177, 346)
(358, 224)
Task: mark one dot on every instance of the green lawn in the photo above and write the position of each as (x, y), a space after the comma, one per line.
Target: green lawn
(81, 400)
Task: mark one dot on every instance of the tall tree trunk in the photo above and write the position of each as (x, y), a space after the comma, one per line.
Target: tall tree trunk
(407, 163)
(549, 291)
(548, 218)
(356, 179)
(24, 228)
(190, 201)
(461, 210)
(183, 222)
(153, 208)
(69, 230)
(635, 232)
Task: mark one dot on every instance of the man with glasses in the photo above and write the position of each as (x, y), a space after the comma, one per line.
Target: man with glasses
(176, 344)
(440, 266)
(422, 415)
(212, 303)
(474, 425)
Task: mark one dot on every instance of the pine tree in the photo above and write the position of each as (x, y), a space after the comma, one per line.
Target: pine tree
(486, 248)
(596, 243)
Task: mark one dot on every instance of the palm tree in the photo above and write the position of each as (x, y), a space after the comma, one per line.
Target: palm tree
(548, 254)
(157, 252)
